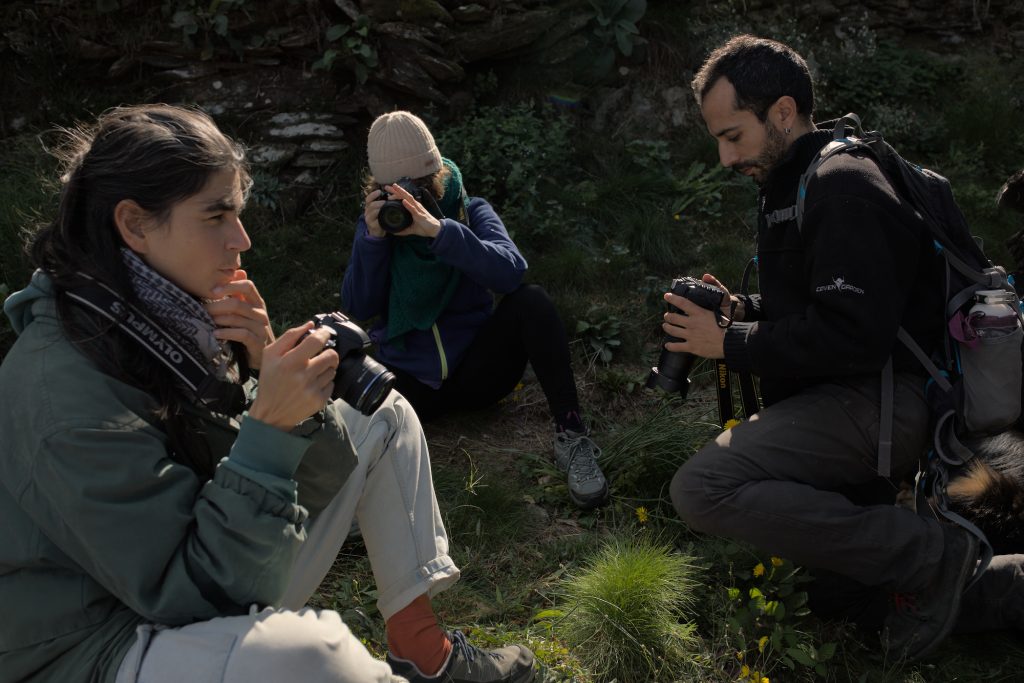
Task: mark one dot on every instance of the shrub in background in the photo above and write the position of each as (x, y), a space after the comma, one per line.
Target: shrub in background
(519, 158)
(623, 612)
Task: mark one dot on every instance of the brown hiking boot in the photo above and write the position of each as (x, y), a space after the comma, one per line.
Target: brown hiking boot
(918, 622)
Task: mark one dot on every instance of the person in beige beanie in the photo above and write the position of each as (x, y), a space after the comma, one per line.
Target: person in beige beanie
(428, 260)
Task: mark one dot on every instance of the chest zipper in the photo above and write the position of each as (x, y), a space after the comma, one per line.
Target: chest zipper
(440, 352)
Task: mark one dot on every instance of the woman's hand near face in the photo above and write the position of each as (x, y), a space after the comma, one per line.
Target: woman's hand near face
(422, 222)
(241, 316)
(371, 210)
(297, 377)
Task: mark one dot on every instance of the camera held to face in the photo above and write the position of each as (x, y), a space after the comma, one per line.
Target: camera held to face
(673, 369)
(360, 381)
(393, 216)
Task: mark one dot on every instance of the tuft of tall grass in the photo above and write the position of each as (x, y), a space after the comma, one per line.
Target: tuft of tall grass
(623, 614)
(641, 455)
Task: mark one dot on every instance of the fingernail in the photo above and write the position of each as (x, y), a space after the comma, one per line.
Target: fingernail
(218, 289)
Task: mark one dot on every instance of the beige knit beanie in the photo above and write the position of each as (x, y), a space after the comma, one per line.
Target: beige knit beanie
(400, 145)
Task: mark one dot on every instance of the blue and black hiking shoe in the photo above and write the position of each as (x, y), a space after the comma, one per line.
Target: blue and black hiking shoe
(918, 622)
(469, 664)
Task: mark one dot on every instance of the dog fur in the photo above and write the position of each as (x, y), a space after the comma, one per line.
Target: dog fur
(989, 491)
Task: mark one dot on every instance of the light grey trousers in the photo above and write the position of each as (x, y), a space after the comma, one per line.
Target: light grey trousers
(391, 494)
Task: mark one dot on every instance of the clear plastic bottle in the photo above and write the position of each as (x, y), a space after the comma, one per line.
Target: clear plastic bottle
(993, 313)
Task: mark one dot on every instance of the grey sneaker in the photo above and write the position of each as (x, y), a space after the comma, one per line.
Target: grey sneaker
(918, 622)
(470, 664)
(576, 454)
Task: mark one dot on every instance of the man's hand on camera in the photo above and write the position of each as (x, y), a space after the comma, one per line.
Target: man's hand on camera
(422, 222)
(698, 327)
(241, 316)
(732, 306)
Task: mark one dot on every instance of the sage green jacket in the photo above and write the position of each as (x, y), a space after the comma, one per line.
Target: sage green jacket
(101, 531)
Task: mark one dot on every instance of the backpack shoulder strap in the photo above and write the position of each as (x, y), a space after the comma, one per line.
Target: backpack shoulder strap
(841, 142)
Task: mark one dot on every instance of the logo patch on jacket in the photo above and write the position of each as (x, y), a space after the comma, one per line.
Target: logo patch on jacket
(839, 284)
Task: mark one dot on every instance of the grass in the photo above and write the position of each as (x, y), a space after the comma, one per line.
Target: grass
(602, 236)
(623, 613)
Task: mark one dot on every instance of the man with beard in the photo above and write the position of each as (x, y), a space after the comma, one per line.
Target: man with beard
(801, 478)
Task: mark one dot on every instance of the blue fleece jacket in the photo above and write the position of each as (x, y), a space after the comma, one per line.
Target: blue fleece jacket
(489, 262)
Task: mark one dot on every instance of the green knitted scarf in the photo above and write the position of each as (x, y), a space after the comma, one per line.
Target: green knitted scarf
(422, 286)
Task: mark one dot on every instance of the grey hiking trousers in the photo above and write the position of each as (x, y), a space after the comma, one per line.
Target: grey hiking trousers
(778, 481)
(392, 495)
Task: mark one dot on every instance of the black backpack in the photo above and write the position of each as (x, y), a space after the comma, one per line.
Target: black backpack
(975, 386)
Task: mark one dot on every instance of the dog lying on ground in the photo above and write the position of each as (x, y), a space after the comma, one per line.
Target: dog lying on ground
(989, 491)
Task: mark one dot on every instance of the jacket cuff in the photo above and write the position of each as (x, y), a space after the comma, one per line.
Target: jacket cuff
(440, 243)
(751, 307)
(262, 448)
(736, 343)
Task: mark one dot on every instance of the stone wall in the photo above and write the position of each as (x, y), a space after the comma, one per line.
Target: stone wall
(256, 66)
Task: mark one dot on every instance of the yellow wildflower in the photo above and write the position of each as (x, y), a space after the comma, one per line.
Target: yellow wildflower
(739, 655)
(759, 569)
(641, 514)
(776, 561)
(745, 671)
(765, 680)
(729, 424)
(762, 643)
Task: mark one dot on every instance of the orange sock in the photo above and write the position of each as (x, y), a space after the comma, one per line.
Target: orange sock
(413, 634)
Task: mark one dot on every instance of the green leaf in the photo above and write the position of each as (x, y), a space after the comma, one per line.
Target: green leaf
(326, 62)
(183, 19)
(633, 10)
(624, 41)
(627, 26)
(826, 651)
(336, 31)
(800, 656)
(220, 25)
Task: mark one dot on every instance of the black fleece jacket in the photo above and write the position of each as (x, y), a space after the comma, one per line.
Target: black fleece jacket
(834, 293)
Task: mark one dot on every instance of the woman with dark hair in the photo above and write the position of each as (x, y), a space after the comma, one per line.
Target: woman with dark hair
(431, 280)
(163, 519)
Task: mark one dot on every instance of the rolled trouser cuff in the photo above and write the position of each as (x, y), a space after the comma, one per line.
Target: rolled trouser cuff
(430, 578)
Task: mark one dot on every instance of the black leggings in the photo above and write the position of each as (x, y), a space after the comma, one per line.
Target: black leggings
(524, 327)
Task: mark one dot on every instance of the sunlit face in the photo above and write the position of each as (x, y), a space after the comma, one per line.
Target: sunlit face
(200, 244)
(745, 143)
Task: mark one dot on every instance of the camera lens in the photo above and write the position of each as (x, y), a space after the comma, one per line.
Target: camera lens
(362, 382)
(672, 373)
(394, 217)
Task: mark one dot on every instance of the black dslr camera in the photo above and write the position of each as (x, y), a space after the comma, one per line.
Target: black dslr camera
(394, 217)
(673, 369)
(360, 381)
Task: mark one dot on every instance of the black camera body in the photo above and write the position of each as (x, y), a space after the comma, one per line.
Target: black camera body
(393, 216)
(673, 369)
(360, 381)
